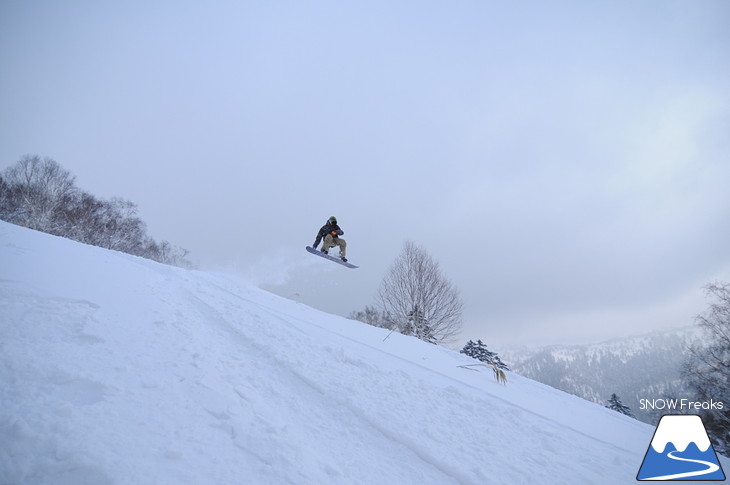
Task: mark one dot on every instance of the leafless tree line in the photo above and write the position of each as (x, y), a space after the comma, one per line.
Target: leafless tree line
(40, 194)
(707, 369)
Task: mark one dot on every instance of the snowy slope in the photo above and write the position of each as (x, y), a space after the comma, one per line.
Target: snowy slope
(115, 369)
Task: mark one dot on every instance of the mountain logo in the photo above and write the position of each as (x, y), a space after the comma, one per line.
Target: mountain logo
(680, 450)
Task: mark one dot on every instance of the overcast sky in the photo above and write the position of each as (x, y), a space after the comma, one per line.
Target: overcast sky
(567, 163)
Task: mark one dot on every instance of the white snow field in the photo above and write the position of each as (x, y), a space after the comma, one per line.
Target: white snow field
(116, 369)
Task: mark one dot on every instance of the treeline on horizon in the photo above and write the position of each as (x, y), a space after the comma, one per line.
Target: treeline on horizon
(40, 194)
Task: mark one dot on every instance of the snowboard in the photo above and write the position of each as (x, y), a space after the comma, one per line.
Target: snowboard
(331, 258)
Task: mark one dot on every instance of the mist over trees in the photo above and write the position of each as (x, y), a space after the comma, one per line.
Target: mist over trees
(40, 194)
(415, 299)
(690, 364)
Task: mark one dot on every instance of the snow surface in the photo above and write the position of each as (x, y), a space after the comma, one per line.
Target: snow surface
(116, 369)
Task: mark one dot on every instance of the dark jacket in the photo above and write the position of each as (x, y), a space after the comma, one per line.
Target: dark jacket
(327, 229)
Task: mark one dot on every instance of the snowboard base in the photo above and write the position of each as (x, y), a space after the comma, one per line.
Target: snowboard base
(331, 258)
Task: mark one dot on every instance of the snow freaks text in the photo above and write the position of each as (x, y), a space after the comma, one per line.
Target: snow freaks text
(686, 405)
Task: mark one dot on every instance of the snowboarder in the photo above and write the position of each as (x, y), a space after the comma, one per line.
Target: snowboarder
(331, 233)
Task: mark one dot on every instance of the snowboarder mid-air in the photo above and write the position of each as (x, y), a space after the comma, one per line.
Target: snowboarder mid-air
(331, 233)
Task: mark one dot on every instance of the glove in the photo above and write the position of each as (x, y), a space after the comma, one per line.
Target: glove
(334, 233)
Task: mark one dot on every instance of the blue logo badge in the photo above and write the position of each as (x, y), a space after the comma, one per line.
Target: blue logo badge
(680, 450)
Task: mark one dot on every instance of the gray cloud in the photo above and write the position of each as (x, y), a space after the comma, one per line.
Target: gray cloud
(567, 166)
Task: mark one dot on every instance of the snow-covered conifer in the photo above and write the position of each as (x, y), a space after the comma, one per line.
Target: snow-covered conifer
(615, 404)
(478, 350)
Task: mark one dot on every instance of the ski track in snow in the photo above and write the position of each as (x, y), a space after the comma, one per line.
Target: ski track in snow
(446, 471)
(300, 384)
(289, 318)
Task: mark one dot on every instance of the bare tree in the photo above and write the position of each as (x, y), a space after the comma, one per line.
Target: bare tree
(707, 369)
(8, 204)
(371, 316)
(418, 300)
(41, 187)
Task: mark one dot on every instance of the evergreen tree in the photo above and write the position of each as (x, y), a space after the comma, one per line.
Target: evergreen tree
(418, 326)
(480, 352)
(615, 404)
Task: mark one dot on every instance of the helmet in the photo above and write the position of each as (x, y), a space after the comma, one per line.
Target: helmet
(333, 220)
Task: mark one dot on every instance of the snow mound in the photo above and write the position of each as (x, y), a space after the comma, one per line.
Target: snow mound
(116, 369)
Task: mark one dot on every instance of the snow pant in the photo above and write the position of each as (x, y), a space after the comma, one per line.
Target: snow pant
(331, 241)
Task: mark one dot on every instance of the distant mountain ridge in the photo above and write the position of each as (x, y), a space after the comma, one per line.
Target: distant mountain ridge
(639, 367)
